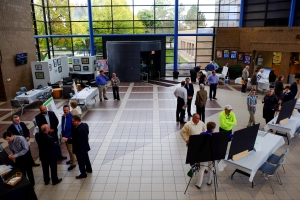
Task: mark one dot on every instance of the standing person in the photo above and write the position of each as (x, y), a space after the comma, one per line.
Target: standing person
(101, 81)
(270, 102)
(278, 89)
(19, 151)
(245, 75)
(190, 93)
(209, 69)
(193, 127)
(213, 81)
(254, 80)
(215, 65)
(66, 130)
(181, 95)
(75, 110)
(193, 74)
(200, 102)
(287, 95)
(227, 119)
(49, 117)
(272, 78)
(206, 165)
(80, 145)
(48, 155)
(19, 128)
(115, 81)
(202, 78)
(251, 104)
(294, 88)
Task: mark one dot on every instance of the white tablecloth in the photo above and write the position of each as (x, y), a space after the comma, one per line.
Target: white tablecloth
(33, 94)
(250, 164)
(289, 127)
(85, 95)
(297, 104)
(263, 85)
(239, 81)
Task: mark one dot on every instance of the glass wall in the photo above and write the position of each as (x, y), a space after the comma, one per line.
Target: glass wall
(67, 22)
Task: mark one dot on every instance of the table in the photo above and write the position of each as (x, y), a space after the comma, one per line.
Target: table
(82, 75)
(289, 127)
(297, 104)
(250, 164)
(33, 94)
(85, 95)
(263, 85)
(21, 191)
(239, 81)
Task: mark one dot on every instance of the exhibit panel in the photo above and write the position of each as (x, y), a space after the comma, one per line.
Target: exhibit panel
(52, 70)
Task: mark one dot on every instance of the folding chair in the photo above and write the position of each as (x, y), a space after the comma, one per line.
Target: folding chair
(269, 170)
(16, 104)
(275, 159)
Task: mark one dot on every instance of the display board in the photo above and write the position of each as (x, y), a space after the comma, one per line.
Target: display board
(52, 70)
(286, 110)
(243, 140)
(206, 147)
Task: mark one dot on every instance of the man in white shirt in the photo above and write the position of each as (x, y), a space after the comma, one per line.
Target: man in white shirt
(181, 95)
(193, 127)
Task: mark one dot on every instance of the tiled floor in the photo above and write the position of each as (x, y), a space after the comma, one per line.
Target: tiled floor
(138, 153)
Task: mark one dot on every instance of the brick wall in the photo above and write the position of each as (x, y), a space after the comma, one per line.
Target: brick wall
(16, 36)
(250, 40)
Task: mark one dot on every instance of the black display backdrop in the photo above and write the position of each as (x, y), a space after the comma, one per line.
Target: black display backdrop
(243, 140)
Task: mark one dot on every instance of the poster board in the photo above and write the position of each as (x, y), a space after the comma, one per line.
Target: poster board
(286, 110)
(243, 140)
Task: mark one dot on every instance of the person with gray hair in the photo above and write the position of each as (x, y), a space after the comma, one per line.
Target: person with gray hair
(48, 154)
(201, 98)
(20, 128)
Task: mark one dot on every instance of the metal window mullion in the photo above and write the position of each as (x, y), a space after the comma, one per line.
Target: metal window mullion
(71, 27)
(50, 30)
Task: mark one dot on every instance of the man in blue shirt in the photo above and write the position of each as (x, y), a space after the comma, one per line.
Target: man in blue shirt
(213, 81)
(101, 82)
(66, 130)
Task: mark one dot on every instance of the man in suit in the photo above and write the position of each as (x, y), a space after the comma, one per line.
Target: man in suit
(294, 88)
(19, 128)
(48, 154)
(80, 144)
(49, 117)
(190, 93)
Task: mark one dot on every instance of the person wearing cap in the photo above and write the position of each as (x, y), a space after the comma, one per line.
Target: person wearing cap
(227, 119)
(200, 102)
(251, 104)
(181, 95)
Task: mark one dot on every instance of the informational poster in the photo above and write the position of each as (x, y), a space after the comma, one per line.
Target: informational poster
(50, 105)
(102, 65)
(277, 58)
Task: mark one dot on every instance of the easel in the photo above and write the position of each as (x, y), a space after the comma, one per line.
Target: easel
(204, 148)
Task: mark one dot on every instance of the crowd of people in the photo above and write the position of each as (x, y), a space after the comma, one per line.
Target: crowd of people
(74, 133)
(227, 120)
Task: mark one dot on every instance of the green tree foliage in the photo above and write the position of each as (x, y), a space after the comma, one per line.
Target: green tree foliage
(192, 15)
(117, 20)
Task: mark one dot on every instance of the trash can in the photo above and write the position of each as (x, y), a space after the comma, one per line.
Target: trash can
(227, 81)
(57, 93)
(291, 78)
(175, 74)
